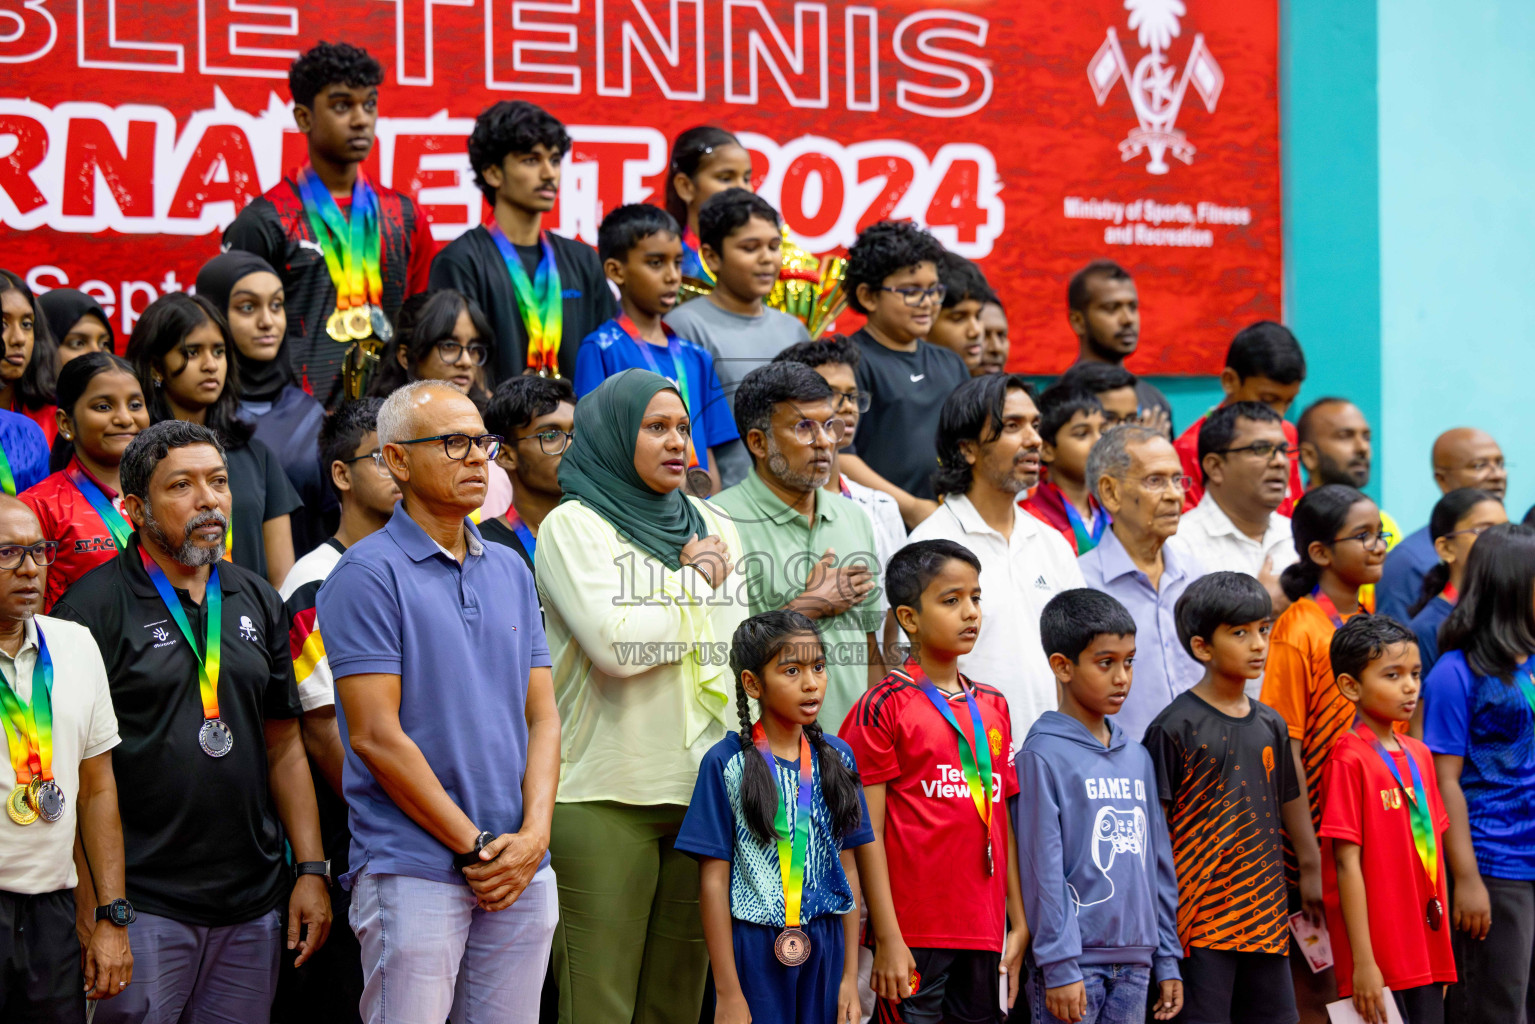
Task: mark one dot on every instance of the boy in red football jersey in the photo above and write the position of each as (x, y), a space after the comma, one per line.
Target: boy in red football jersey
(935, 753)
(1380, 801)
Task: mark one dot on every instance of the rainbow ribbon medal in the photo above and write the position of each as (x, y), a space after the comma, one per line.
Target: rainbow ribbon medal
(115, 523)
(7, 479)
(974, 751)
(214, 737)
(353, 249)
(793, 945)
(540, 301)
(1086, 539)
(679, 367)
(1328, 608)
(29, 735)
(1419, 819)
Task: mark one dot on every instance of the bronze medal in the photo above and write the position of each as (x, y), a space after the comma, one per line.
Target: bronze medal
(335, 326)
(359, 325)
(19, 807)
(1435, 913)
(792, 947)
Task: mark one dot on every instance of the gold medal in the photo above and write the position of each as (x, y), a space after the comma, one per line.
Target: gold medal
(19, 807)
(33, 788)
(359, 325)
(335, 326)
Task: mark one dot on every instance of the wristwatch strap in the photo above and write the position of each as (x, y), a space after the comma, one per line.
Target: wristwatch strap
(464, 860)
(313, 867)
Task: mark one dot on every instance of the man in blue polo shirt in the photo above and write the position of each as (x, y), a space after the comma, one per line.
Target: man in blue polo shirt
(447, 709)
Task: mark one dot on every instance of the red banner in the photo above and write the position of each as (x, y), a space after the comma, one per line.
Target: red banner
(1030, 135)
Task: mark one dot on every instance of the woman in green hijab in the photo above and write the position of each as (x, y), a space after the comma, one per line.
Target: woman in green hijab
(639, 608)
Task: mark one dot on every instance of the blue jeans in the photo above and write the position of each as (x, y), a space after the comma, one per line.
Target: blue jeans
(429, 954)
(1116, 994)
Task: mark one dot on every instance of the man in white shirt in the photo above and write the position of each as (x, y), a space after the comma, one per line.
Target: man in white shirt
(1245, 460)
(51, 675)
(988, 452)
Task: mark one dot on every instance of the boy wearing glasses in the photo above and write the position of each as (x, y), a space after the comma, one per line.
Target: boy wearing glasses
(802, 548)
(892, 278)
(535, 416)
(641, 250)
(1264, 364)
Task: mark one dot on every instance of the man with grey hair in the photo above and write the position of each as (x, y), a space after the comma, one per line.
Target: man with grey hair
(211, 770)
(802, 548)
(446, 704)
(1135, 473)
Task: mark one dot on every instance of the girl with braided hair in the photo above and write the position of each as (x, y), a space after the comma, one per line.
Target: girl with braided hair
(775, 816)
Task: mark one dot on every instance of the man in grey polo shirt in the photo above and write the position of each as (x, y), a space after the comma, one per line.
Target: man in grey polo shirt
(447, 709)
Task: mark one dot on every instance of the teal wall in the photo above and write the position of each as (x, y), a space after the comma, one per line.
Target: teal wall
(1457, 235)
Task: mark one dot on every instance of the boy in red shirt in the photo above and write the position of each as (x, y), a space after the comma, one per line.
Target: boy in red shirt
(936, 786)
(1264, 364)
(1381, 803)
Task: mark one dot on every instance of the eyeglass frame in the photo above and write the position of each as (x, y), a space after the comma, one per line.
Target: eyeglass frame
(1475, 531)
(819, 428)
(1171, 478)
(1291, 451)
(570, 439)
(860, 400)
(935, 292)
(475, 441)
(483, 349)
(31, 550)
(1384, 537)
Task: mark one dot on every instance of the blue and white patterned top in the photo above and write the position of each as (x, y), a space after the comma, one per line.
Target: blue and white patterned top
(715, 827)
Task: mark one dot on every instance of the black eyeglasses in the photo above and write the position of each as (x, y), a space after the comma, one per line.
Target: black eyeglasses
(552, 441)
(860, 400)
(918, 296)
(1264, 450)
(1369, 539)
(456, 446)
(450, 351)
(43, 552)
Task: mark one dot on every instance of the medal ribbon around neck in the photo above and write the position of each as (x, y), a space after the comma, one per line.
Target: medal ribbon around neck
(974, 750)
(539, 301)
(7, 478)
(693, 260)
(529, 542)
(29, 728)
(674, 350)
(207, 664)
(1328, 608)
(1086, 539)
(96, 497)
(353, 248)
(792, 849)
(1418, 815)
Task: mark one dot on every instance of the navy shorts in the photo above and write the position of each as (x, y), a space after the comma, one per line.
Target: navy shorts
(806, 994)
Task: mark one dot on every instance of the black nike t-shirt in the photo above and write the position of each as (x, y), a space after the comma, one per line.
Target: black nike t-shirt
(898, 436)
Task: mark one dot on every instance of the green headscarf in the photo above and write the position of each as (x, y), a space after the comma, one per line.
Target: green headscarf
(598, 470)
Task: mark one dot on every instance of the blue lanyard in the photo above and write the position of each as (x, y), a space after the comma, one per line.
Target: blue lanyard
(529, 542)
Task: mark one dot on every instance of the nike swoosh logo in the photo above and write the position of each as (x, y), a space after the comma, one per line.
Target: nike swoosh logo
(917, 376)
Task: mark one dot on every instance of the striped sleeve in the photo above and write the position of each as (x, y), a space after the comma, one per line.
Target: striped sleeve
(311, 668)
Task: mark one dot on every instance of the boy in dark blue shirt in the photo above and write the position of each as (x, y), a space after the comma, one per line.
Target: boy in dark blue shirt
(641, 250)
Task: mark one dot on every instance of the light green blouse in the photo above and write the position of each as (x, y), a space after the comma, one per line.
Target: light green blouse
(641, 659)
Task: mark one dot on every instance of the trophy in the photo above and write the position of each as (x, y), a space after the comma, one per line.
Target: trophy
(809, 287)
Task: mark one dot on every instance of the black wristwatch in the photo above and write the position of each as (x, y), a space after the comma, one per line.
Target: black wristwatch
(313, 867)
(120, 912)
(464, 860)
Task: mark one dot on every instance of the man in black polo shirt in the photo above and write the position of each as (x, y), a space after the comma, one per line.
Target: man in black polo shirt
(517, 150)
(211, 771)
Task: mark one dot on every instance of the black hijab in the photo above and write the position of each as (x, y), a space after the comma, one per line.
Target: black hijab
(63, 308)
(260, 381)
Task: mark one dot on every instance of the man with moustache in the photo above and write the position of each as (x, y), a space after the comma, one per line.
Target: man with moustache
(801, 547)
(51, 675)
(211, 770)
(1245, 459)
(447, 707)
(1104, 311)
(1463, 457)
(988, 454)
(1135, 474)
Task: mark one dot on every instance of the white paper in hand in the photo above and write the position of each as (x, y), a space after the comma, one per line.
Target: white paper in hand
(1343, 1012)
(1313, 941)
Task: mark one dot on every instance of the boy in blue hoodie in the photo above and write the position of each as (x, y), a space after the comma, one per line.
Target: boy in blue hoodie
(1099, 889)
